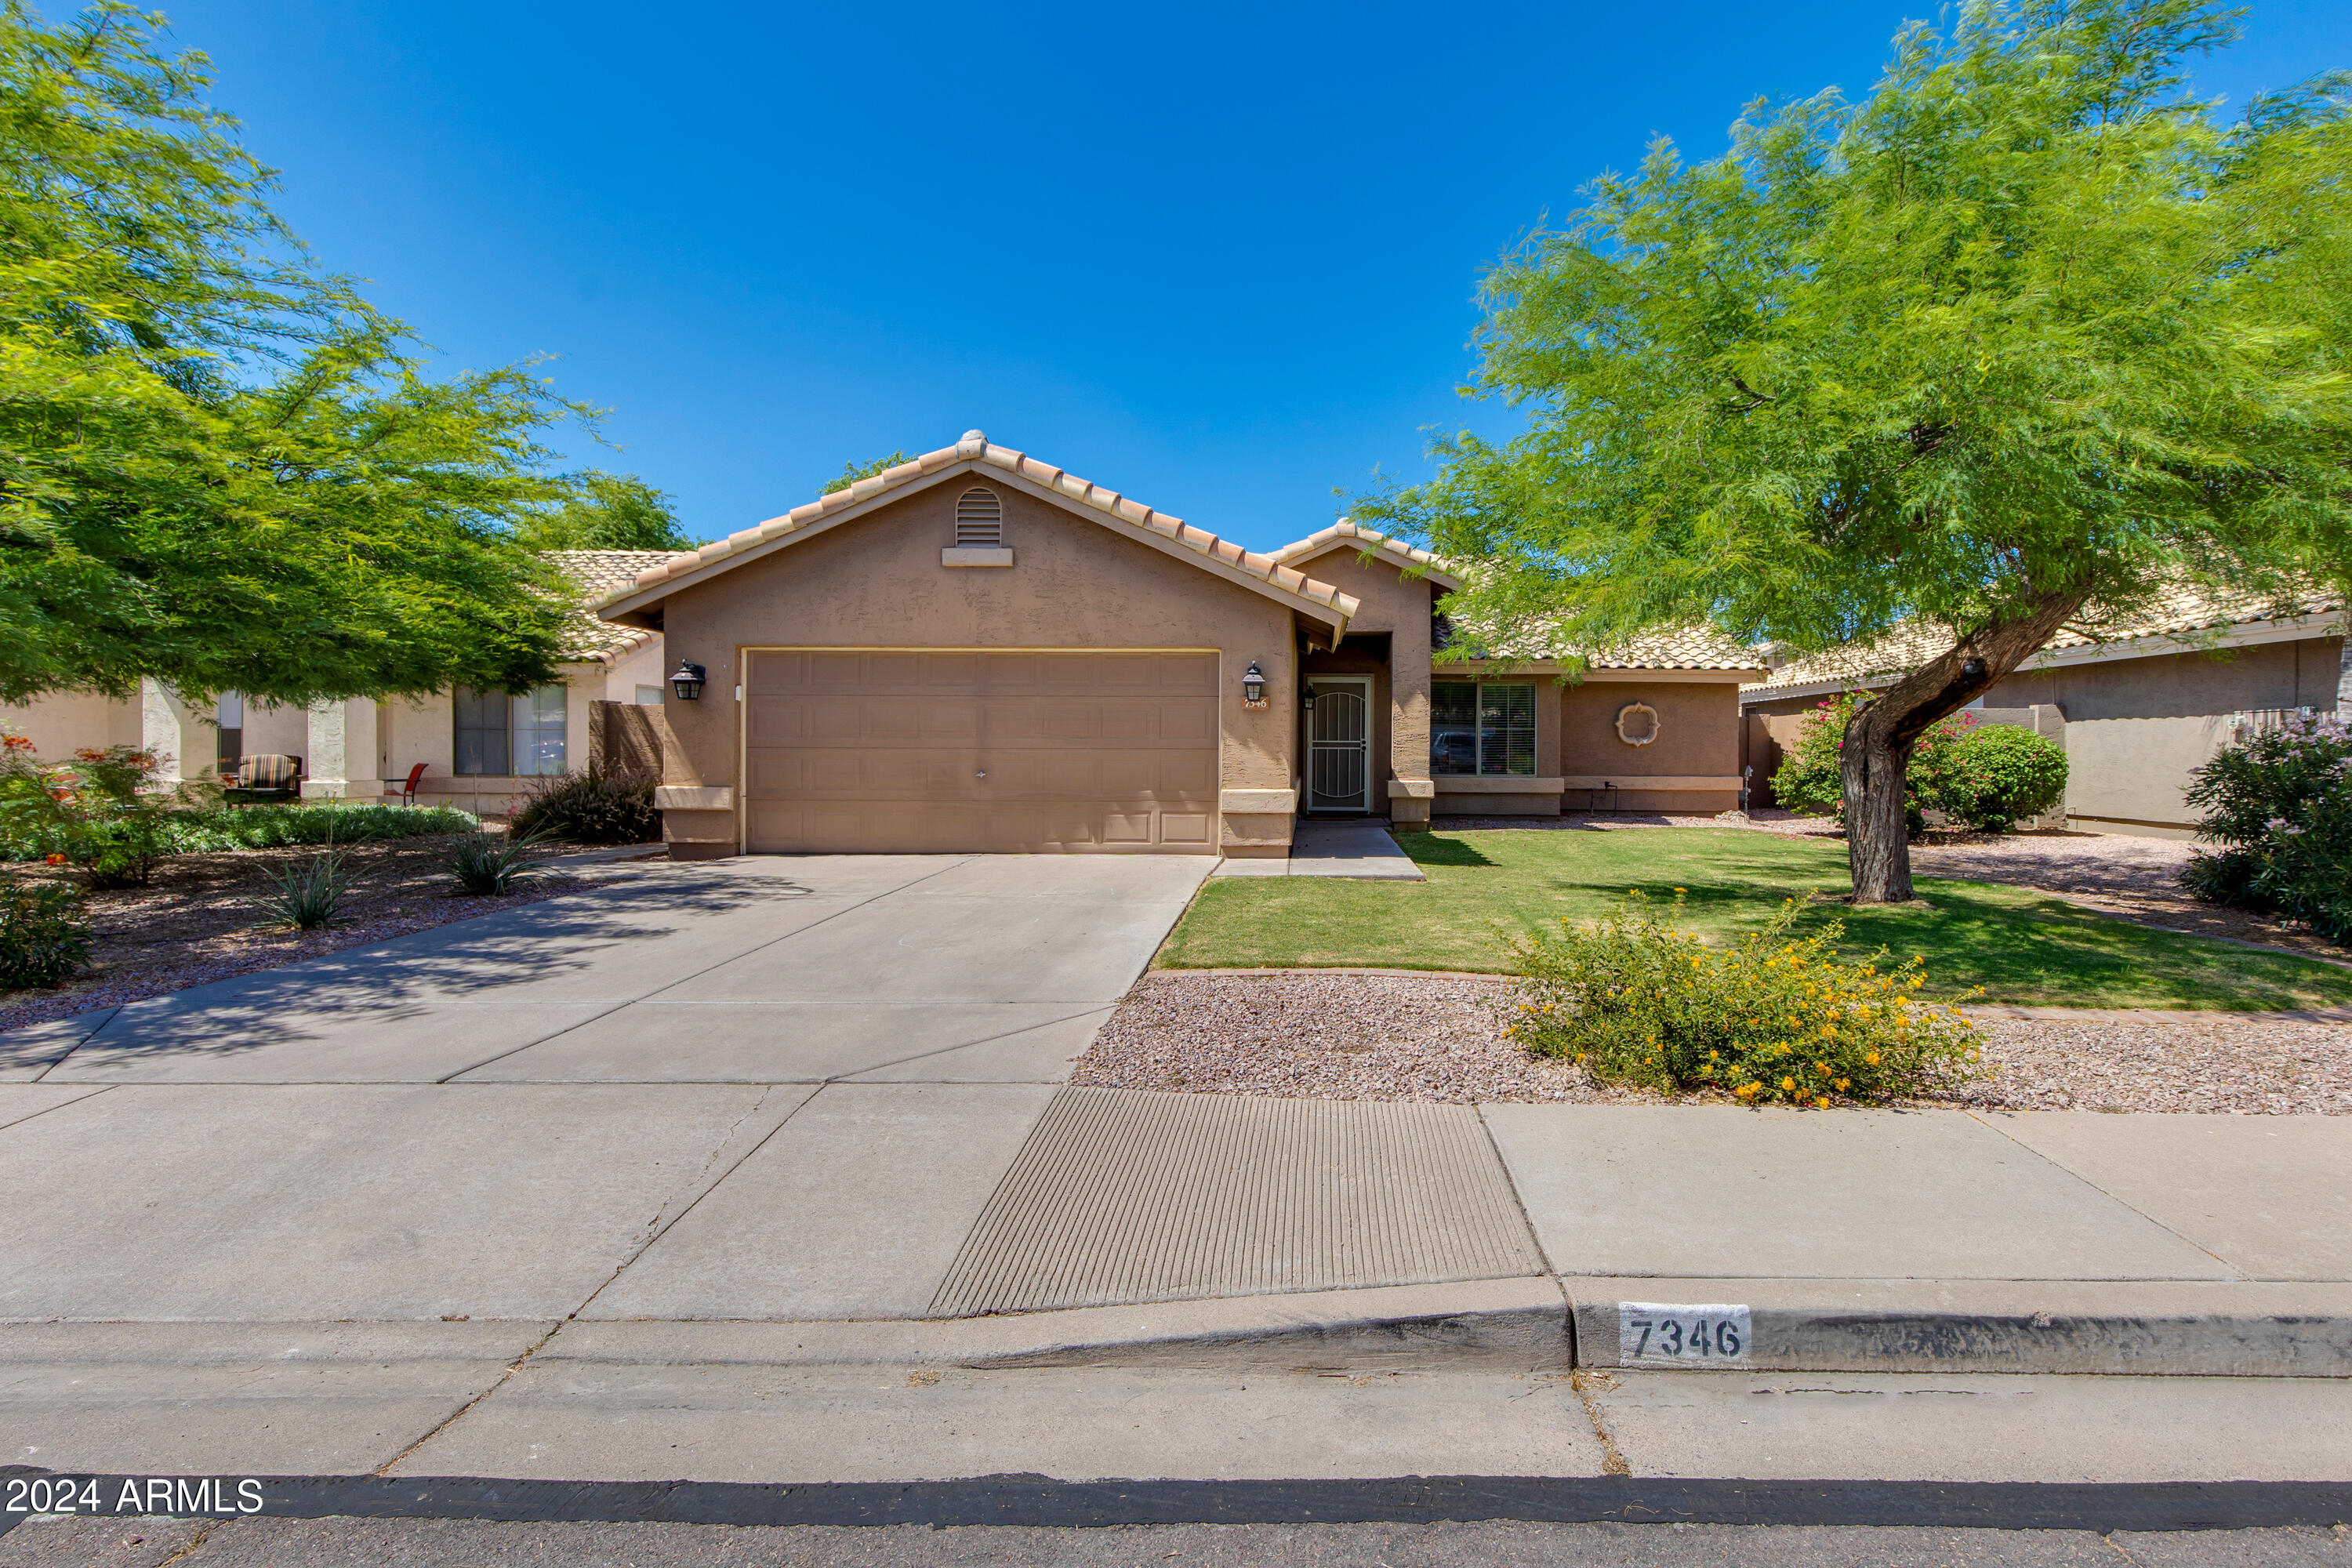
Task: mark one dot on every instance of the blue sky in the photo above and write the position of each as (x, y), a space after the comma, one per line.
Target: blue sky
(1221, 258)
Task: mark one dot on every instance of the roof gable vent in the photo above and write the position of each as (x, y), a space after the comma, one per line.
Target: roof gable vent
(979, 519)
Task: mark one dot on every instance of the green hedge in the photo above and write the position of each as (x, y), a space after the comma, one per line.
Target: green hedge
(197, 832)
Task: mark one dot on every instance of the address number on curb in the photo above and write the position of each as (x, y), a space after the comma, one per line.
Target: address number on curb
(1651, 1334)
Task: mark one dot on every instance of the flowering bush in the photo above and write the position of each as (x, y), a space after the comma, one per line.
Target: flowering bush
(1772, 1018)
(1810, 777)
(2279, 803)
(2000, 775)
(100, 812)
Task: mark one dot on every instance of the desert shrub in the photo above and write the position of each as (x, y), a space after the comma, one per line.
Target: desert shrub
(102, 812)
(2279, 803)
(1773, 1017)
(1810, 778)
(271, 826)
(310, 896)
(181, 830)
(591, 807)
(44, 940)
(486, 864)
(2000, 775)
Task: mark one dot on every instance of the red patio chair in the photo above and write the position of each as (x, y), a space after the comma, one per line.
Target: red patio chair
(408, 785)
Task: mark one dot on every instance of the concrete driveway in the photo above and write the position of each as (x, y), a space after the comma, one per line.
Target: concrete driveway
(802, 1075)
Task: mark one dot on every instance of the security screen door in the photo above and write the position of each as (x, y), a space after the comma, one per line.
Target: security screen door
(1339, 745)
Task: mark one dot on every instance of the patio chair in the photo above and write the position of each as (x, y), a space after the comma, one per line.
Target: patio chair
(408, 784)
(265, 780)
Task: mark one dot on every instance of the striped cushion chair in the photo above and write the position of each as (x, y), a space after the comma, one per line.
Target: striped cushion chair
(263, 779)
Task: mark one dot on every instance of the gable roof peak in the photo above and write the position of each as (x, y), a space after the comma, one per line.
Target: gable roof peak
(1261, 573)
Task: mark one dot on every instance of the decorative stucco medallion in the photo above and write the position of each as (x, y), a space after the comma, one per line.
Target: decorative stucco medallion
(1637, 724)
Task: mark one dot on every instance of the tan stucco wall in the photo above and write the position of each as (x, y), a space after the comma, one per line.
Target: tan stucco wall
(1698, 729)
(424, 730)
(2135, 728)
(877, 582)
(64, 722)
(1389, 601)
(640, 667)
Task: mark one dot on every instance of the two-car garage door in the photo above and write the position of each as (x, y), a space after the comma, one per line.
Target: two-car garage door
(882, 750)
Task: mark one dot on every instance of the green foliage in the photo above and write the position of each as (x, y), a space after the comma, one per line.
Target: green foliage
(605, 511)
(2026, 327)
(44, 940)
(2280, 804)
(269, 826)
(853, 472)
(2000, 775)
(1776, 1017)
(310, 896)
(99, 813)
(218, 465)
(486, 864)
(590, 807)
(103, 813)
(1810, 778)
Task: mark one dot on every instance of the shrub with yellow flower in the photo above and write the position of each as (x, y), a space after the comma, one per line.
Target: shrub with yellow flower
(1639, 1002)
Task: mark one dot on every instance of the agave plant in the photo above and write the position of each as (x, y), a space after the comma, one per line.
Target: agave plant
(308, 896)
(487, 865)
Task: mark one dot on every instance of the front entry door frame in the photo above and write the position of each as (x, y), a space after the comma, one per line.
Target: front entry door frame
(1361, 688)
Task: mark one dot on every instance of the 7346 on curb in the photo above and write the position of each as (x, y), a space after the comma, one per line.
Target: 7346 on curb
(1653, 1333)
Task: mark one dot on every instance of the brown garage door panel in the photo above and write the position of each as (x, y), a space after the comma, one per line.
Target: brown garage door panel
(874, 750)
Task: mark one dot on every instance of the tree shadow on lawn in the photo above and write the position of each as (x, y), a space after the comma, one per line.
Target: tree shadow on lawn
(1441, 850)
(2026, 947)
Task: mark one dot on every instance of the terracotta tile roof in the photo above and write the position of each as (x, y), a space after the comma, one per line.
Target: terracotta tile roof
(1697, 647)
(598, 573)
(2182, 613)
(1693, 647)
(975, 447)
(1365, 539)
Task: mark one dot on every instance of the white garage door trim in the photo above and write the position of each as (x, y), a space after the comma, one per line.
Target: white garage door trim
(744, 652)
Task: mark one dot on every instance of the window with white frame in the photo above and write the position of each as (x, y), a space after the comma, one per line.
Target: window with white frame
(1482, 727)
(504, 735)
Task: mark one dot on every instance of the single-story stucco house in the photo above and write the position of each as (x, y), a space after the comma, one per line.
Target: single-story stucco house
(2139, 708)
(977, 650)
(480, 750)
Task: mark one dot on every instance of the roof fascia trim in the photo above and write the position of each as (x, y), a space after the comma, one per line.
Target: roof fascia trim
(1337, 614)
(2162, 645)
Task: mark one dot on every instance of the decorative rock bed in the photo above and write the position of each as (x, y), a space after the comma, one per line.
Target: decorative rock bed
(1342, 1035)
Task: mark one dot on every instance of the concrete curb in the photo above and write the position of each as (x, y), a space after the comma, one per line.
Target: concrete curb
(1518, 1324)
(2172, 1329)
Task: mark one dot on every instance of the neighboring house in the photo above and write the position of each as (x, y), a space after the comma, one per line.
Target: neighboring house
(977, 651)
(480, 750)
(2139, 709)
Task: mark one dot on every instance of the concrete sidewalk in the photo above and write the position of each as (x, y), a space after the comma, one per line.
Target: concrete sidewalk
(800, 1132)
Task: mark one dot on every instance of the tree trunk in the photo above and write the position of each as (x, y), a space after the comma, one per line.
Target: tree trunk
(1880, 738)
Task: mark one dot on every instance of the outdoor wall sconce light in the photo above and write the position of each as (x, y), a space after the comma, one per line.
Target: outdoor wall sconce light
(687, 681)
(1254, 686)
(1306, 697)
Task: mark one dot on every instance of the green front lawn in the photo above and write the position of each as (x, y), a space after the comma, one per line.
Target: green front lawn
(1482, 886)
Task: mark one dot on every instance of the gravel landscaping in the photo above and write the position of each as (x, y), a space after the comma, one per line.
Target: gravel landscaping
(195, 923)
(1367, 1036)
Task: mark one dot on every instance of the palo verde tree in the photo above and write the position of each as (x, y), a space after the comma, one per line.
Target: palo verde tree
(2018, 340)
(218, 466)
(605, 511)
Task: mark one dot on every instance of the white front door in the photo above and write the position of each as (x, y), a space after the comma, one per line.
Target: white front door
(1339, 745)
